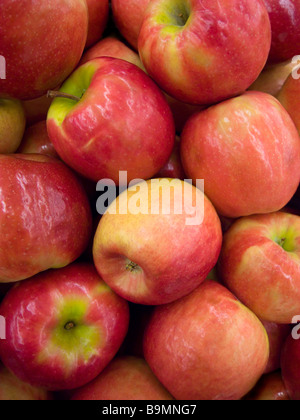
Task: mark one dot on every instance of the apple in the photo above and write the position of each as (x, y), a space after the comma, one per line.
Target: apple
(163, 248)
(260, 263)
(121, 123)
(203, 51)
(98, 11)
(128, 16)
(206, 346)
(285, 24)
(126, 378)
(247, 150)
(269, 388)
(273, 77)
(63, 327)
(36, 44)
(277, 334)
(45, 217)
(12, 389)
(12, 125)
(289, 98)
(113, 47)
(36, 140)
(173, 168)
(36, 110)
(290, 367)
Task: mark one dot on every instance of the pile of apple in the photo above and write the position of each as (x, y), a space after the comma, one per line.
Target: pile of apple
(147, 305)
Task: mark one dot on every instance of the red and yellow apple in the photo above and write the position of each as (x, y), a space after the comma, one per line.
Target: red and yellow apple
(260, 264)
(98, 11)
(45, 216)
(42, 42)
(12, 125)
(205, 51)
(63, 327)
(157, 241)
(206, 346)
(289, 98)
(247, 150)
(120, 122)
(124, 379)
(36, 140)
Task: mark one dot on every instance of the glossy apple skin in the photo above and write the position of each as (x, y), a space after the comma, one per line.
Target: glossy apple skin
(98, 11)
(218, 53)
(128, 16)
(269, 388)
(290, 367)
(285, 24)
(12, 389)
(247, 150)
(277, 334)
(263, 274)
(173, 168)
(159, 276)
(273, 77)
(289, 98)
(206, 346)
(12, 125)
(45, 217)
(122, 114)
(36, 140)
(39, 350)
(124, 379)
(43, 53)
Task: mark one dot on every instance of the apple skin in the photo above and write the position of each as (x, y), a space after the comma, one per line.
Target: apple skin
(290, 367)
(12, 389)
(269, 388)
(12, 125)
(206, 346)
(285, 24)
(36, 140)
(128, 16)
(98, 11)
(45, 216)
(173, 168)
(121, 114)
(277, 334)
(289, 98)
(247, 150)
(260, 262)
(36, 110)
(40, 350)
(273, 77)
(43, 53)
(132, 251)
(203, 52)
(126, 378)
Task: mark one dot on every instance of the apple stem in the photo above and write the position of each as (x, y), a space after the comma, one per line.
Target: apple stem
(58, 94)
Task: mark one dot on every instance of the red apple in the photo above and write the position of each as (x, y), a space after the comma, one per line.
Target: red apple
(98, 11)
(128, 16)
(247, 150)
(269, 388)
(290, 366)
(273, 77)
(163, 248)
(206, 346)
(36, 140)
(63, 327)
(121, 123)
(277, 334)
(204, 51)
(45, 217)
(36, 44)
(173, 168)
(260, 264)
(124, 379)
(285, 24)
(12, 389)
(289, 98)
